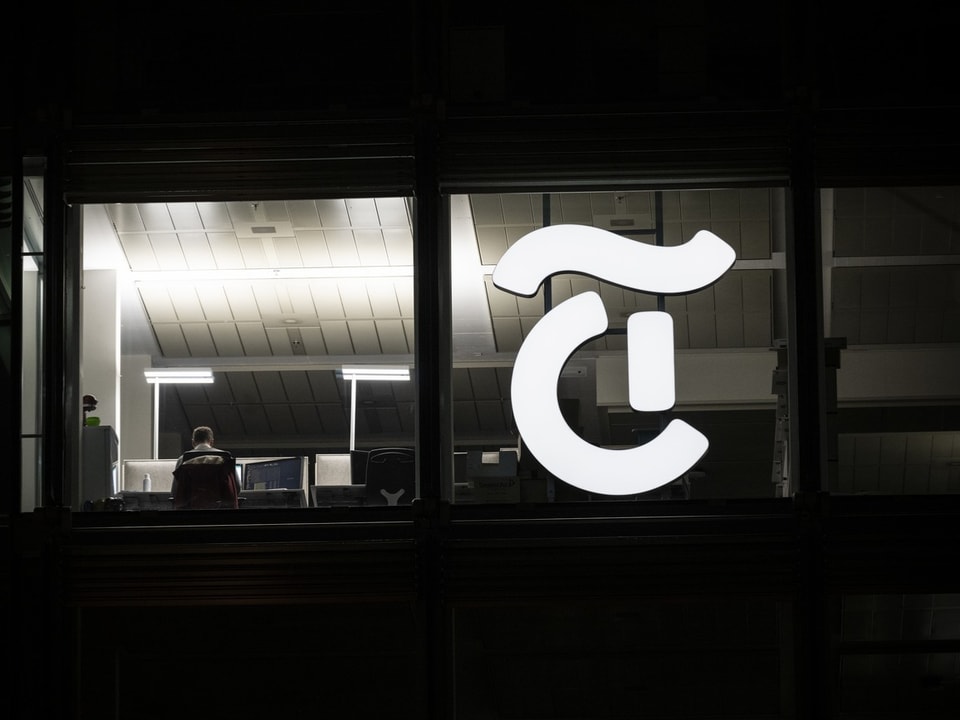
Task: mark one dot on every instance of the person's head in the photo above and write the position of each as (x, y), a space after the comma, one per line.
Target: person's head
(202, 435)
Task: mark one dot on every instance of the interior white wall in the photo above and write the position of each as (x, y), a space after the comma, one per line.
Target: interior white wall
(136, 410)
(100, 349)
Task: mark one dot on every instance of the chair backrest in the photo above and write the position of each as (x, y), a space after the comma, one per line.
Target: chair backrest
(200, 485)
(391, 477)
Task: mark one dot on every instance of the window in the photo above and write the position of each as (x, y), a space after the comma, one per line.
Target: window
(724, 340)
(276, 299)
(892, 275)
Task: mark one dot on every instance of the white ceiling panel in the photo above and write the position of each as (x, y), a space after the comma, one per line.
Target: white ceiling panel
(333, 420)
(353, 294)
(371, 248)
(755, 239)
(254, 256)
(326, 387)
(186, 303)
(493, 244)
(296, 386)
(364, 336)
(681, 331)
(326, 299)
(506, 330)
(243, 302)
(393, 212)
(756, 329)
(465, 418)
(171, 340)
(303, 213)
(265, 291)
(408, 328)
(254, 420)
(306, 420)
(139, 253)
(487, 210)
(283, 298)
(272, 210)
(333, 213)
(342, 248)
(703, 330)
(196, 251)
(185, 216)
(280, 420)
(166, 246)
(300, 297)
(226, 250)
(575, 208)
(288, 252)
(244, 387)
(399, 245)
(383, 298)
(501, 303)
(279, 341)
(125, 217)
(226, 339)
(336, 336)
(156, 217)
(729, 329)
(213, 299)
(700, 302)
(199, 340)
(393, 339)
(228, 420)
(312, 338)
(363, 213)
(404, 289)
(157, 303)
(517, 209)
(242, 212)
(254, 338)
(214, 216)
(313, 248)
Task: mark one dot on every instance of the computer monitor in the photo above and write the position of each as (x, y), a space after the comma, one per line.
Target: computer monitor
(285, 473)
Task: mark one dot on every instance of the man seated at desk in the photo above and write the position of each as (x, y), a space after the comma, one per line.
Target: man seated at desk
(205, 477)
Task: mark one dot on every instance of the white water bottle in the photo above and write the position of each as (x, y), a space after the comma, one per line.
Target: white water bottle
(146, 482)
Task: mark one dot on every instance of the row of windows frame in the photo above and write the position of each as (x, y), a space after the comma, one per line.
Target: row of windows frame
(432, 309)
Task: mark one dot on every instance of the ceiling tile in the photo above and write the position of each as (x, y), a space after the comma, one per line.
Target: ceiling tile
(393, 339)
(243, 386)
(364, 336)
(242, 212)
(517, 209)
(254, 256)
(486, 210)
(243, 303)
(393, 212)
(506, 331)
(171, 340)
(306, 420)
(265, 292)
(333, 213)
(254, 339)
(336, 336)
(214, 216)
(303, 214)
(729, 329)
(371, 248)
(288, 252)
(186, 303)
(226, 339)
(196, 251)
(157, 303)
(185, 216)
(126, 217)
(279, 342)
(574, 208)
(166, 246)
(313, 248)
(342, 248)
(226, 250)
(198, 339)
(254, 420)
(363, 213)
(139, 253)
(156, 217)
(281, 420)
(273, 211)
(312, 339)
(353, 295)
(399, 247)
(326, 299)
(492, 242)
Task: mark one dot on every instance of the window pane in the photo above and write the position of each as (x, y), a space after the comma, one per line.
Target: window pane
(892, 273)
(277, 299)
(31, 418)
(719, 365)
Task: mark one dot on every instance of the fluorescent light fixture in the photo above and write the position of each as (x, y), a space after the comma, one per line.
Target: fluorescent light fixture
(162, 376)
(383, 374)
(370, 372)
(163, 277)
(171, 376)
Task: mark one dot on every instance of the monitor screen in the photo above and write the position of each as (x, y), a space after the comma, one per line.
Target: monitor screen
(273, 474)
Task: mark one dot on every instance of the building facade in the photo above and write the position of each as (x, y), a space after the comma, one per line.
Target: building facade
(279, 193)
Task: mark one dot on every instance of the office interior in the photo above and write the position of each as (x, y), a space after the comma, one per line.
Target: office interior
(254, 212)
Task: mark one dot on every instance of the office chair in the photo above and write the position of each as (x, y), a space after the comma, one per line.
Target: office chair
(205, 485)
(391, 477)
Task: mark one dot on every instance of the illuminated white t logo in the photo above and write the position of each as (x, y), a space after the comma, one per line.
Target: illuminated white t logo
(639, 266)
